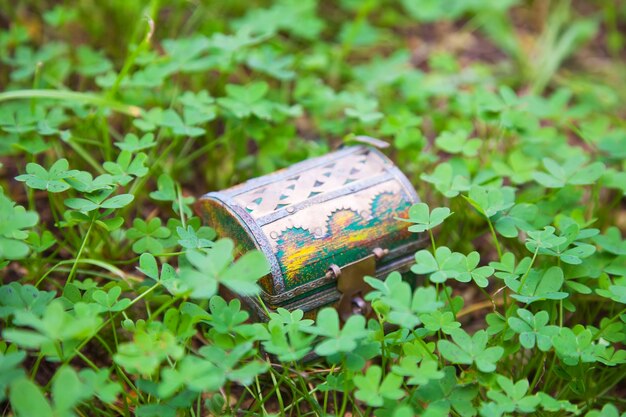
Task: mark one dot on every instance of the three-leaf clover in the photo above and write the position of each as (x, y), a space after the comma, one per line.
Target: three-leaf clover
(150, 346)
(471, 271)
(572, 347)
(424, 218)
(52, 180)
(147, 235)
(458, 141)
(109, 300)
(513, 398)
(132, 143)
(247, 100)
(543, 239)
(335, 338)
(13, 219)
(445, 264)
(490, 201)
(447, 181)
(447, 393)
(573, 172)
(99, 200)
(438, 320)
(419, 373)
(372, 389)
(468, 349)
(168, 190)
(533, 329)
(126, 167)
(404, 305)
(215, 266)
(538, 285)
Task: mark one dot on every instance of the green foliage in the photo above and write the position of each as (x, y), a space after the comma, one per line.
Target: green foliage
(115, 117)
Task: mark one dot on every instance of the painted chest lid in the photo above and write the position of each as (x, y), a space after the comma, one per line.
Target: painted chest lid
(329, 210)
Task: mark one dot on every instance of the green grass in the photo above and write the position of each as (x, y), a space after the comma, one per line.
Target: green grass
(507, 116)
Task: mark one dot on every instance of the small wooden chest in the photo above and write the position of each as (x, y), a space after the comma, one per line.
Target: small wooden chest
(323, 224)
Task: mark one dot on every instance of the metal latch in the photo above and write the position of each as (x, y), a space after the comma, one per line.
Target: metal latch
(352, 286)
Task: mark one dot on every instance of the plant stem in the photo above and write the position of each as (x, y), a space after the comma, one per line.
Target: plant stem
(80, 252)
(86, 98)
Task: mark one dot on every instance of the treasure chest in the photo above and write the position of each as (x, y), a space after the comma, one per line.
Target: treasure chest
(323, 225)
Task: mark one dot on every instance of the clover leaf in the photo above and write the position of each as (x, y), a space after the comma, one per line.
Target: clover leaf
(471, 271)
(616, 293)
(99, 200)
(55, 326)
(543, 239)
(286, 342)
(404, 305)
(490, 201)
(513, 398)
(611, 241)
(109, 300)
(442, 395)
(572, 172)
(447, 181)
(519, 217)
(247, 100)
(126, 167)
(334, 338)
(425, 219)
(10, 369)
(192, 239)
(372, 389)
(148, 235)
(458, 141)
(445, 264)
(17, 297)
(438, 320)
(538, 285)
(214, 266)
(533, 329)
(421, 374)
(168, 190)
(39, 178)
(573, 348)
(466, 349)
(13, 219)
(150, 346)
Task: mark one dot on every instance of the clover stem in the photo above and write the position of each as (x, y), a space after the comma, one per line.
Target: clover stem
(538, 374)
(495, 238)
(423, 345)
(73, 96)
(36, 366)
(179, 196)
(449, 302)
(97, 330)
(532, 261)
(80, 252)
(432, 240)
(265, 309)
(279, 397)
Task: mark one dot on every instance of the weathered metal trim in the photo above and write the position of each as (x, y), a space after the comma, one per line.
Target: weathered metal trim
(261, 241)
(328, 296)
(296, 169)
(399, 175)
(277, 299)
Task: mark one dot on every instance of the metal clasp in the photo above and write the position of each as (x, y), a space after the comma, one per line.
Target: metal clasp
(352, 286)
